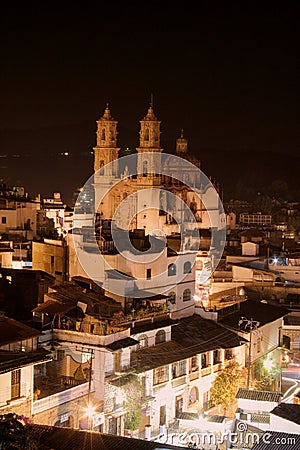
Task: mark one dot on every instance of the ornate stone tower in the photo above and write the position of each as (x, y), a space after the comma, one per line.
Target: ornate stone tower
(149, 143)
(181, 145)
(106, 150)
(105, 164)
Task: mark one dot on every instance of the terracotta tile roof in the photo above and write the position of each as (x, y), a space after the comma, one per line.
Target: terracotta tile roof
(13, 331)
(288, 411)
(190, 336)
(251, 309)
(265, 396)
(278, 440)
(68, 439)
(14, 360)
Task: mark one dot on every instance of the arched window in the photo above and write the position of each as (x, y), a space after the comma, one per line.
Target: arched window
(186, 297)
(187, 267)
(203, 361)
(194, 395)
(147, 134)
(103, 134)
(101, 167)
(171, 270)
(172, 297)
(160, 337)
(145, 168)
(143, 341)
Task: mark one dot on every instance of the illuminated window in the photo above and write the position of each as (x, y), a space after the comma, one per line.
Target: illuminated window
(171, 270)
(186, 297)
(187, 268)
(85, 356)
(15, 383)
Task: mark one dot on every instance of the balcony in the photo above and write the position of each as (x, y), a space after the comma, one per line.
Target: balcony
(53, 401)
(194, 375)
(179, 381)
(205, 371)
(217, 367)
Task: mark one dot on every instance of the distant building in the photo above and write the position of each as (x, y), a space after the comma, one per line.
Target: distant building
(255, 219)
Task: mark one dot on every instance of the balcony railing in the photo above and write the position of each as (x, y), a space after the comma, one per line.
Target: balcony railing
(179, 381)
(205, 371)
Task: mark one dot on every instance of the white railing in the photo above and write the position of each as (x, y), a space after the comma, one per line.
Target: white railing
(60, 397)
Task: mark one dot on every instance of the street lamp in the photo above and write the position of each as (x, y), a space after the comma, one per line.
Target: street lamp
(90, 411)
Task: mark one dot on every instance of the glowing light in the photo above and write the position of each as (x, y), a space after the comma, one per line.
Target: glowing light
(90, 411)
(275, 260)
(268, 364)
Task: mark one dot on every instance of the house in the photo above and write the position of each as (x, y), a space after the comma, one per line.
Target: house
(19, 355)
(65, 438)
(278, 439)
(285, 417)
(260, 324)
(254, 407)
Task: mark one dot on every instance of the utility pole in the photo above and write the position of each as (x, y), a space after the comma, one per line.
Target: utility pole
(252, 324)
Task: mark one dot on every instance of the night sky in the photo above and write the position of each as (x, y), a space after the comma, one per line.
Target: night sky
(227, 72)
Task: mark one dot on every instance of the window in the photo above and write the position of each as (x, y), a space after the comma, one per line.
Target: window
(217, 356)
(171, 270)
(186, 297)
(85, 356)
(15, 383)
(203, 361)
(147, 134)
(101, 167)
(172, 297)
(179, 368)
(103, 134)
(258, 348)
(162, 415)
(143, 341)
(52, 259)
(160, 337)
(194, 364)
(3, 219)
(148, 274)
(228, 354)
(145, 168)
(161, 375)
(187, 268)
(60, 354)
(194, 395)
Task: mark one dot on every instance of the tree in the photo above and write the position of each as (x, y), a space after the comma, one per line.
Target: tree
(134, 400)
(225, 386)
(16, 433)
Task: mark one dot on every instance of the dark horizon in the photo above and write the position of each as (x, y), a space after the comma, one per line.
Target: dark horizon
(225, 73)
